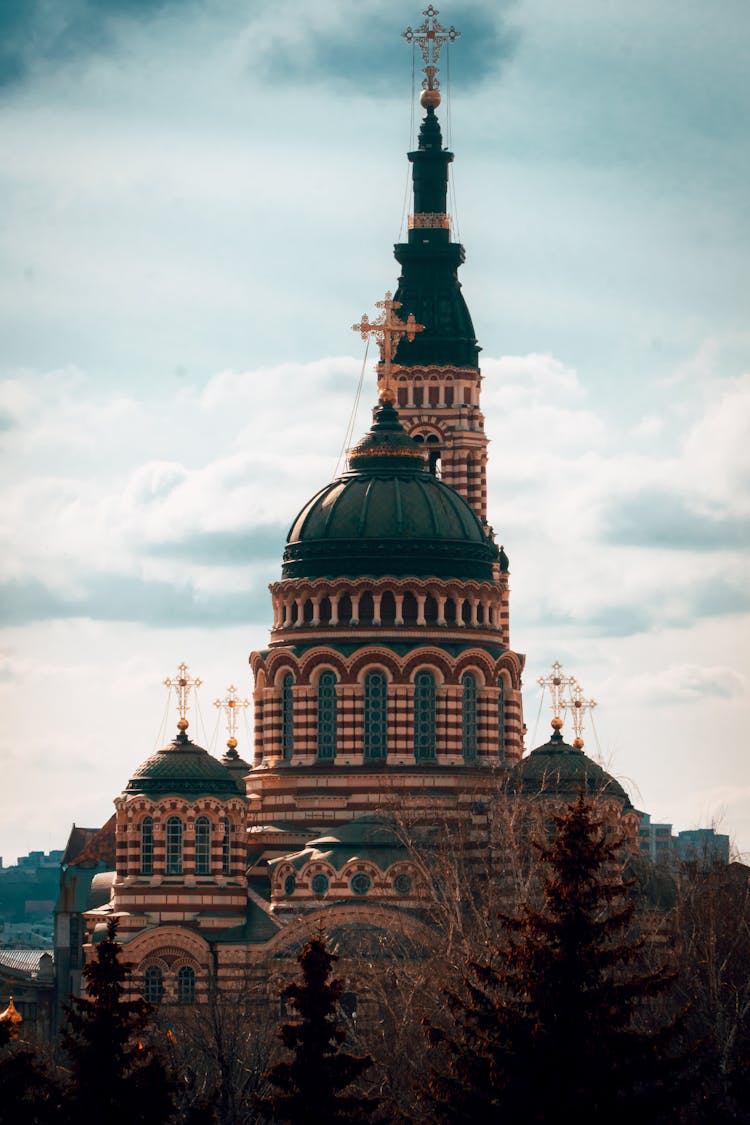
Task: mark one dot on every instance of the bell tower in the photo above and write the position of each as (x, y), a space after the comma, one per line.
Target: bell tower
(436, 377)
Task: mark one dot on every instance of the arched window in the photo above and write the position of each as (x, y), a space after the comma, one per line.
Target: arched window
(376, 715)
(147, 845)
(327, 715)
(424, 716)
(501, 720)
(174, 846)
(226, 847)
(153, 985)
(202, 846)
(287, 717)
(186, 985)
(469, 717)
(433, 455)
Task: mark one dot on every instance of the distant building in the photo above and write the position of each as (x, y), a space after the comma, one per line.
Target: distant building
(659, 844)
(702, 845)
(28, 976)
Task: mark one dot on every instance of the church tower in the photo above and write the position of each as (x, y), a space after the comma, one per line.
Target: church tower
(438, 382)
(389, 683)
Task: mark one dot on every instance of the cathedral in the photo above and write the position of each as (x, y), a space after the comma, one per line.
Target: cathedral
(389, 695)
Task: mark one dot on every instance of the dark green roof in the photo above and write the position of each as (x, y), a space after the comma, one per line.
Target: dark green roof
(182, 769)
(388, 515)
(557, 769)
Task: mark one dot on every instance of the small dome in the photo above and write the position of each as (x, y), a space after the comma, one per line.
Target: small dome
(388, 515)
(557, 769)
(237, 766)
(182, 769)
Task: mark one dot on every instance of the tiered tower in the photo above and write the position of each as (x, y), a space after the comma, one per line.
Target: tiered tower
(389, 686)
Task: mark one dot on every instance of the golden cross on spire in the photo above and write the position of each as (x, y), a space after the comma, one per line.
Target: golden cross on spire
(557, 684)
(578, 707)
(388, 330)
(430, 38)
(231, 705)
(182, 684)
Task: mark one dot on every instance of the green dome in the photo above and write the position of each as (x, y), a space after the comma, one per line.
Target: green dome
(182, 769)
(388, 515)
(557, 769)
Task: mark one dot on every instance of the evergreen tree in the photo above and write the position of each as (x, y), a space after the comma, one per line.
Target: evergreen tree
(313, 1082)
(28, 1091)
(115, 1075)
(558, 1024)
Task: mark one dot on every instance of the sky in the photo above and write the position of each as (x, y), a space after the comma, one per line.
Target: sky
(198, 198)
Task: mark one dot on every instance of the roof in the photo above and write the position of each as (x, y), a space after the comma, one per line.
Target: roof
(558, 769)
(374, 839)
(388, 515)
(23, 960)
(182, 769)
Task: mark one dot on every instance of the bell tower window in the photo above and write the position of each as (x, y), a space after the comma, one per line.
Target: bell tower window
(501, 720)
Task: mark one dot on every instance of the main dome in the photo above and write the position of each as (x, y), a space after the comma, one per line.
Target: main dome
(388, 516)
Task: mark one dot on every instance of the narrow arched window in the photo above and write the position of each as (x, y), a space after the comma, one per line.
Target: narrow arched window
(327, 715)
(469, 717)
(501, 720)
(424, 716)
(174, 846)
(226, 847)
(186, 985)
(147, 845)
(287, 717)
(202, 846)
(153, 985)
(376, 715)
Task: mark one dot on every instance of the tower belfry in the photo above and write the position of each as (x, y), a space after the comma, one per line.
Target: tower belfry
(438, 381)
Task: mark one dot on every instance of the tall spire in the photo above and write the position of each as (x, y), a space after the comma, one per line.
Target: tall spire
(428, 287)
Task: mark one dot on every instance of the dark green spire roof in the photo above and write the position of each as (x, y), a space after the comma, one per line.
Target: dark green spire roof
(429, 286)
(388, 515)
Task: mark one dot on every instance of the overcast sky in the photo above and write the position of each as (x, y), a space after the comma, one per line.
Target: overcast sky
(199, 197)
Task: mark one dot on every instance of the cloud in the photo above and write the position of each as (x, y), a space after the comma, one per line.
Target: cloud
(263, 543)
(664, 520)
(127, 598)
(688, 684)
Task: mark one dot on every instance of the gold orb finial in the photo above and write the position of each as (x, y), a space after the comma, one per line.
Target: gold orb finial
(557, 723)
(578, 743)
(232, 743)
(182, 723)
(430, 99)
(387, 395)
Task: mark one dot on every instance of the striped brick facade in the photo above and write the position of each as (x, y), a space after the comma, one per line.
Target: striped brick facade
(439, 407)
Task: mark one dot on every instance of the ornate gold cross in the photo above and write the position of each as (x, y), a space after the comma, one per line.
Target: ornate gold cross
(388, 330)
(557, 684)
(231, 705)
(430, 38)
(182, 684)
(578, 707)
